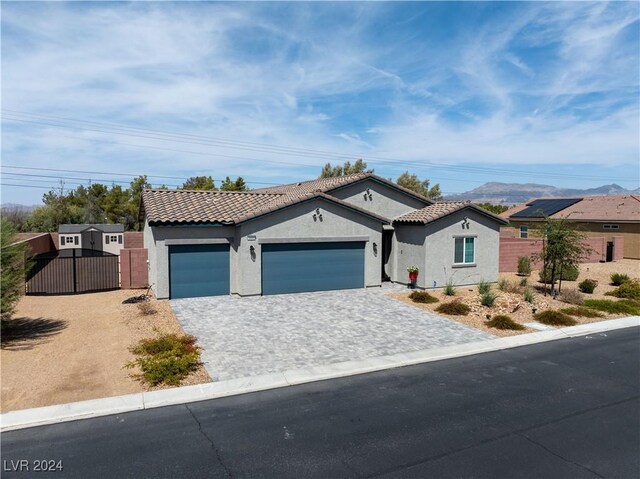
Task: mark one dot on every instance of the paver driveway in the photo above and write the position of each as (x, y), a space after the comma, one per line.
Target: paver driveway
(266, 334)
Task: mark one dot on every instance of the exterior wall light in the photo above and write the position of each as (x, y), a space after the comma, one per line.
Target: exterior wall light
(252, 252)
(375, 249)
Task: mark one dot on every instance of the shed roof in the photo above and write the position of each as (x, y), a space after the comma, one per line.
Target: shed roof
(105, 228)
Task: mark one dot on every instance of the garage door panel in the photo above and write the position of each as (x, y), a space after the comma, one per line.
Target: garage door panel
(198, 270)
(301, 267)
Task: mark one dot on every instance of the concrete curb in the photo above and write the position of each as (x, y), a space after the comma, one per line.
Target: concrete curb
(133, 402)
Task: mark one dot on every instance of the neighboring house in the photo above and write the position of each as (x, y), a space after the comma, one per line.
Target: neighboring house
(99, 237)
(335, 233)
(603, 216)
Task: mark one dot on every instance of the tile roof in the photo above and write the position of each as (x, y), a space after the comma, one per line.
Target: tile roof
(224, 207)
(441, 209)
(593, 208)
(325, 185)
(197, 206)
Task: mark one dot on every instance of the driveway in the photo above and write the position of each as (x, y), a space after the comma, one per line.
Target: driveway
(266, 334)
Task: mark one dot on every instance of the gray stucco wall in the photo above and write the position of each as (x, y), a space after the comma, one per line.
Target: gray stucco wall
(158, 238)
(292, 224)
(295, 224)
(408, 249)
(384, 200)
(436, 258)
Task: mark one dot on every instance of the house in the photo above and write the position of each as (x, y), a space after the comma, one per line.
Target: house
(334, 233)
(603, 216)
(98, 237)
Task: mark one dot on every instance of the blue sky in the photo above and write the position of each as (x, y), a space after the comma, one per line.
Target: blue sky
(461, 93)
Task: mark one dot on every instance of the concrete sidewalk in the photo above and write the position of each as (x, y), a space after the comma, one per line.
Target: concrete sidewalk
(132, 402)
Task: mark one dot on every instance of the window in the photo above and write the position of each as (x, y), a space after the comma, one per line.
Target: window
(464, 251)
(114, 239)
(524, 232)
(610, 227)
(72, 239)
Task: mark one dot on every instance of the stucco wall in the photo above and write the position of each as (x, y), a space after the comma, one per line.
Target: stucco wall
(384, 201)
(436, 258)
(408, 250)
(297, 223)
(158, 238)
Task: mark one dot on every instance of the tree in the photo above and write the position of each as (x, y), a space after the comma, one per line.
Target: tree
(329, 171)
(563, 247)
(14, 268)
(199, 183)
(496, 209)
(413, 183)
(237, 185)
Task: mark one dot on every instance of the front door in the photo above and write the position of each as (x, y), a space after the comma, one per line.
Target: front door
(387, 237)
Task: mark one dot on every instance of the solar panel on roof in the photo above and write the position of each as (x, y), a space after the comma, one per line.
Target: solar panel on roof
(541, 208)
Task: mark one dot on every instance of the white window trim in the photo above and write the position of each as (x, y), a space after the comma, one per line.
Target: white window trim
(526, 232)
(464, 251)
(113, 238)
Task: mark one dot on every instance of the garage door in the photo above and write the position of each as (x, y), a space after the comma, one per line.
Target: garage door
(198, 270)
(299, 267)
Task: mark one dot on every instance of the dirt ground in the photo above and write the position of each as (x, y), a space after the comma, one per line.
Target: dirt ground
(513, 304)
(62, 349)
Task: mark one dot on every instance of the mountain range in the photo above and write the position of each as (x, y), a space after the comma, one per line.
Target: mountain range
(514, 193)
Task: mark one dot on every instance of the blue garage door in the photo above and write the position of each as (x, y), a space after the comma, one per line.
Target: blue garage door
(299, 267)
(198, 270)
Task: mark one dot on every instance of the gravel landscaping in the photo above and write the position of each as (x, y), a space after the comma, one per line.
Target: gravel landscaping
(521, 311)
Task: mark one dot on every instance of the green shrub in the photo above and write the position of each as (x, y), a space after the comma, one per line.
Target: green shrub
(528, 295)
(449, 289)
(454, 308)
(524, 266)
(569, 273)
(13, 269)
(628, 290)
(571, 296)
(484, 287)
(617, 279)
(167, 359)
(582, 312)
(554, 318)
(624, 306)
(588, 286)
(487, 299)
(523, 282)
(504, 322)
(422, 297)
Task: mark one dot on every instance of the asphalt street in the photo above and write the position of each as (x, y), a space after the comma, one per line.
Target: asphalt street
(564, 409)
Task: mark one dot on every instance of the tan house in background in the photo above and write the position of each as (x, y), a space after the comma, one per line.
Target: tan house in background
(603, 216)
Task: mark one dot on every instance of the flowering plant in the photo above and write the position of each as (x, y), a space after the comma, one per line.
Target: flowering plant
(413, 269)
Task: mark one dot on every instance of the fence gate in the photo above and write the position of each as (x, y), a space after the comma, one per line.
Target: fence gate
(73, 271)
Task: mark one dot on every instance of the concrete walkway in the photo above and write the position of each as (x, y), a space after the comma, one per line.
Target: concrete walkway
(260, 335)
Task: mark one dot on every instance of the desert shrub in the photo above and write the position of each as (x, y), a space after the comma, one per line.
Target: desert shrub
(487, 299)
(422, 297)
(454, 308)
(617, 279)
(588, 286)
(508, 287)
(582, 312)
(528, 295)
(449, 289)
(524, 265)
(146, 308)
(167, 359)
(524, 282)
(628, 290)
(504, 322)
(614, 307)
(484, 287)
(503, 284)
(554, 318)
(569, 273)
(571, 296)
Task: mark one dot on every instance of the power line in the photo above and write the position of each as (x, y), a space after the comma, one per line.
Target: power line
(91, 180)
(266, 148)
